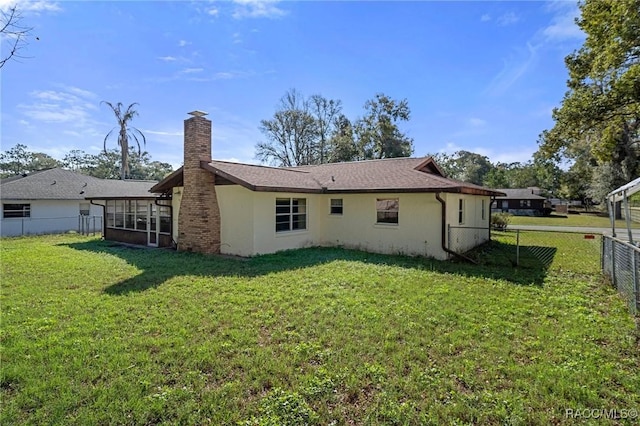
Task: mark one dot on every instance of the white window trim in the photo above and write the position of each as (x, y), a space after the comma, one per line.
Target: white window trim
(291, 214)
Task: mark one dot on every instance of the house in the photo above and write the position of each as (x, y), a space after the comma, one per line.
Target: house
(521, 202)
(401, 205)
(53, 200)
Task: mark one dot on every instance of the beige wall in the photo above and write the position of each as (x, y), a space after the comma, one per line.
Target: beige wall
(175, 203)
(248, 222)
(474, 230)
(417, 233)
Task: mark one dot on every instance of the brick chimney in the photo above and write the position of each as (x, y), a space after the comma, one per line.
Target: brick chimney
(199, 216)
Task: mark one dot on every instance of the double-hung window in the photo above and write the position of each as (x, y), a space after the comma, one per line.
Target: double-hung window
(336, 206)
(291, 214)
(387, 210)
(461, 211)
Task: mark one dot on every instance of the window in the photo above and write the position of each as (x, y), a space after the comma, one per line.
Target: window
(525, 203)
(460, 211)
(387, 210)
(16, 210)
(291, 214)
(336, 206)
(84, 209)
(484, 210)
(165, 219)
(134, 215)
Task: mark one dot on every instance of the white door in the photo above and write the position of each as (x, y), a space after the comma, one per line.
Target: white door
(153, 229)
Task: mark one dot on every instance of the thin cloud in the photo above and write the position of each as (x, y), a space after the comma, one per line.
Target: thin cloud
(167, 58)
(191, 70)
(563, 24)
(508, 18)
(183, 43)
(485, 18)
(162, 133)
(514, 68)
(72, 107)
(213, 11)
(477, 122)
(257, 9)
(31, 6)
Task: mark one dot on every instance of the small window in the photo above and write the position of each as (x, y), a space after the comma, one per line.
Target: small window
(291, 214)
(484, 210)
(460, 211)
(525, 203)
(336, 206)
(387, 210)
(84, 209)
(16, 210)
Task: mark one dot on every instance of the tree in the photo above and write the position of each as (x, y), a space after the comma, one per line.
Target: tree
(326, 112)
(342, 145)
(601, 109)
(18, 160)
(377, 132)
(125, 134)
(291, 133)
(12, 33)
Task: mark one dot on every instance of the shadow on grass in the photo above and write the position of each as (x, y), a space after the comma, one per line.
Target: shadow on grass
(495, 261)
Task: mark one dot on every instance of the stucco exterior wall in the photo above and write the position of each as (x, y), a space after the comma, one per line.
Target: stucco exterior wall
(47, 217)
(474, 229)
(418, 231)
(248, 223)
(237, 212)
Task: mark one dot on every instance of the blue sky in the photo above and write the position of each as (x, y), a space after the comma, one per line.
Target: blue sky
(479, 76)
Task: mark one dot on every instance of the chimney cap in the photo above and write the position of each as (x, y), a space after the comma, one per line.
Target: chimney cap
(198, 113)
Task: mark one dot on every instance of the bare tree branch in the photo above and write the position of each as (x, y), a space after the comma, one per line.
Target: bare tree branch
(12, 34)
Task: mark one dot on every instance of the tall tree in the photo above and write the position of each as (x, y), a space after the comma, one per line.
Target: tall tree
(326, 112)
(342, 145)
(601, 109)
(13, 34)
(126, 133)
(378, 133)
(291, 133)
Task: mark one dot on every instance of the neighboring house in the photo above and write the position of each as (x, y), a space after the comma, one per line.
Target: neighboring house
(521, 202)
(53, 200)
(402, 205)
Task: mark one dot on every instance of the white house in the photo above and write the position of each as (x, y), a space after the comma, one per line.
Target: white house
(53, 200)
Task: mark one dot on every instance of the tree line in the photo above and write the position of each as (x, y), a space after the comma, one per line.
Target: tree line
(105, 165)
(314, 130)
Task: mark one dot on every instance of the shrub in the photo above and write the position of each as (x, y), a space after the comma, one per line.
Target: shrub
(500, 220)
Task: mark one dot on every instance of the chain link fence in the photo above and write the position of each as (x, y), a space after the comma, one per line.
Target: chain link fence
(621, 264)
(83, 224)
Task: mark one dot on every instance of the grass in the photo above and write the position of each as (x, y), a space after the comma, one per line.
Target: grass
(582, 219)
(94, 333)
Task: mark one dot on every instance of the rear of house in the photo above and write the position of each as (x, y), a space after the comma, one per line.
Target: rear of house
(400, 205)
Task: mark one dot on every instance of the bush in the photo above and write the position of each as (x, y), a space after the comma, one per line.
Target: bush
(500, 220)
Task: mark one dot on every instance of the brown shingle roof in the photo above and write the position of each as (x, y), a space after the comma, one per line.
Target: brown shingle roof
(388, 175)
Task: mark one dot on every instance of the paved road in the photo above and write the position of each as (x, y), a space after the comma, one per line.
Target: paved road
(620, 232)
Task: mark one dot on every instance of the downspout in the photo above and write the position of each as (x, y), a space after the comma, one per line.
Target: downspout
(444, 232)
(104, 217)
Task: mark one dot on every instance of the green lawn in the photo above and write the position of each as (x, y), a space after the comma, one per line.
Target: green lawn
(583, 219)
(94, 333)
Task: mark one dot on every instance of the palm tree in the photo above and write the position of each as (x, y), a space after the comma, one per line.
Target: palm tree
(125, 133)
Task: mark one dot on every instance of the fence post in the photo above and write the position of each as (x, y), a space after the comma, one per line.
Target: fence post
(636, 278)
(613, 263)
(517, 247)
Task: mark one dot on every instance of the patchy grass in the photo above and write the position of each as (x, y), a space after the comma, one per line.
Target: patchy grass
(583, 219)
(99, 334)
